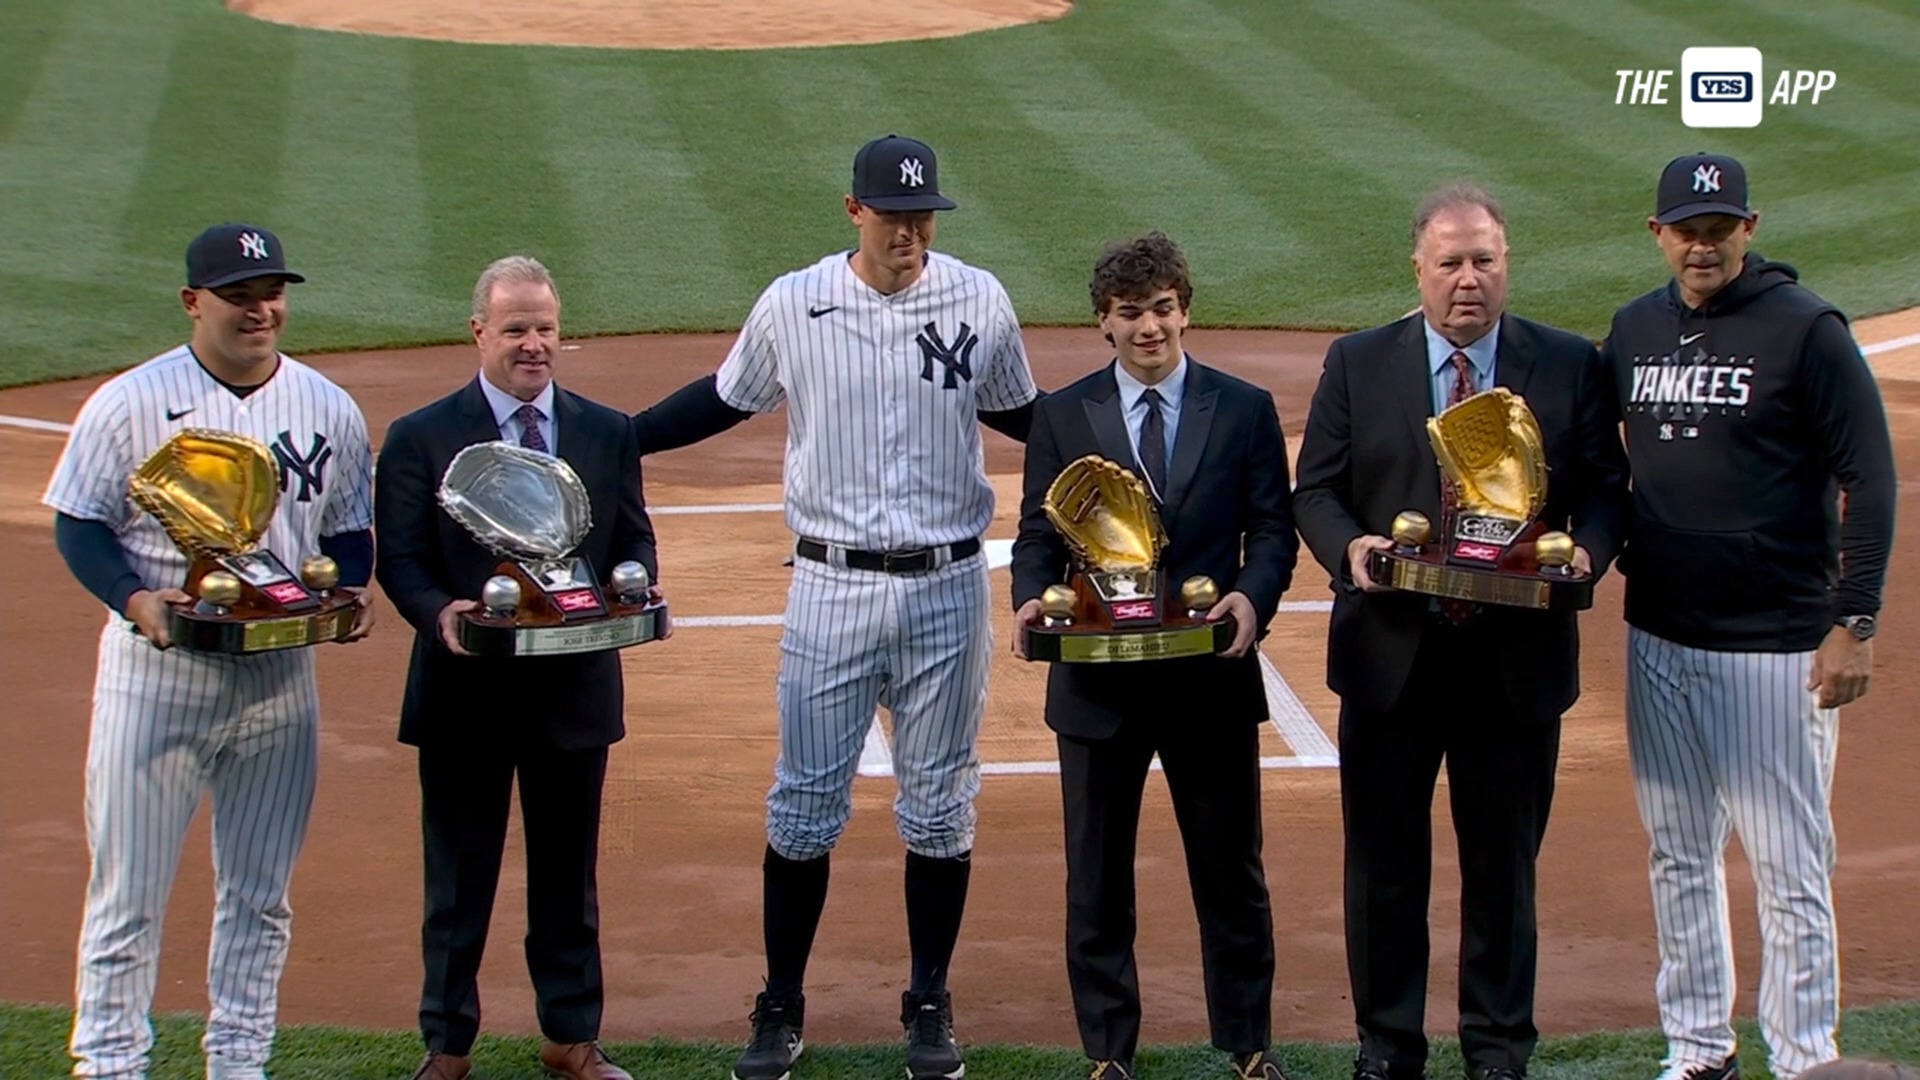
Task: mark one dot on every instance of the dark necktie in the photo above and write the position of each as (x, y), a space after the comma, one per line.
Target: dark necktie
(1153, 444)
(530, 436)
(1456, 611)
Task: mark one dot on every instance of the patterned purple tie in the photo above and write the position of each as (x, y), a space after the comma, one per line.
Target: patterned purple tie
(530, 436)
(1456, 611)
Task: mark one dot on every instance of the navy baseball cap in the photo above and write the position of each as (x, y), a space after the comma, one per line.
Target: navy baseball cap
(898, 173)
(228, 253)
(1698, 184)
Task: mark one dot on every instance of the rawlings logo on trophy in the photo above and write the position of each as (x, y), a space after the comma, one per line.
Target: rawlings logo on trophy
(215, 493)
(1493, 549)
(531, 509)
(1115, 607)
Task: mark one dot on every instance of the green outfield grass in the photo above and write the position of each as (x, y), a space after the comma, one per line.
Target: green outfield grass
(32, 1044)
(1283, 144)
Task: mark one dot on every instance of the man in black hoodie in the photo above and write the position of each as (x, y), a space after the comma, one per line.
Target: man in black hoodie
(1750, 604)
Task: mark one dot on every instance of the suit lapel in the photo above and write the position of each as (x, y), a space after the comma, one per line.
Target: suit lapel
(1109, 426)
(1197, 400)
(567, 434)
(1512, 361)
(1413, 377)
(476, 416)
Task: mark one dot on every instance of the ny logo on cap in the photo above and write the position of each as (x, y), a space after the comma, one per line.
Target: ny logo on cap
(910, 172)
(253, 245)
(1706, 179)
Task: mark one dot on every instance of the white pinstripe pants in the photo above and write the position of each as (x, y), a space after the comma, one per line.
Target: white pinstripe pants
(1729, 741)
(168, 727)
(918, 644)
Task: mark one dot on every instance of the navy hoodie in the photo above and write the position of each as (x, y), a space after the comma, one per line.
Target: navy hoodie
(1745, 418)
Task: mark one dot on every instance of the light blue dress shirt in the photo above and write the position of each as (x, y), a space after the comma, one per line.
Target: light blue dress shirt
(1440, 352)
(1132, 390)
(505, 405)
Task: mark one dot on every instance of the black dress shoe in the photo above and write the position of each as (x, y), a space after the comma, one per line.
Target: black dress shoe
(1494, 1072)
(1372, 1068)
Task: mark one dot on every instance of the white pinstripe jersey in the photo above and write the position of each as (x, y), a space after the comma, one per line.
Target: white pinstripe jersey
(313, 427)
(883, 439)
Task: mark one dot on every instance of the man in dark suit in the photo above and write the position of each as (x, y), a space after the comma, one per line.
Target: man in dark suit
(1421, 681)
(1210, 450)
(479, 723)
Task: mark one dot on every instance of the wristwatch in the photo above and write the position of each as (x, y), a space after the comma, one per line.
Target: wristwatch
(1860, 626)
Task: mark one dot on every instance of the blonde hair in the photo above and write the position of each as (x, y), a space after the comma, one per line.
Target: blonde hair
(523, 268)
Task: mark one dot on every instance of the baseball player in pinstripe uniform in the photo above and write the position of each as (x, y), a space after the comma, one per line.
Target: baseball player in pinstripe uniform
(1751, 607)
(168, 724)
(887, 357)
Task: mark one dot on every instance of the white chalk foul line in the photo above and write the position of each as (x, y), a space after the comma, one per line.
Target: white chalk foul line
(1889, 346)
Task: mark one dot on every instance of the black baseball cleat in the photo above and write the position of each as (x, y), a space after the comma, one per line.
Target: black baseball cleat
(932, 1054)
(1111, 1070)
(1369, 1068)
(1258, 1065)
(1726, 1070)
(776, 1041)
(1494, 1072)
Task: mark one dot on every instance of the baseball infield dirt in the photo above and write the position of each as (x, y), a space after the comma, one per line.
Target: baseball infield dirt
(658, 24)
(679, 870)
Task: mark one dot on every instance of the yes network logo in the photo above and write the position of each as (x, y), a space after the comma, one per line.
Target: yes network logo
(1721, 87)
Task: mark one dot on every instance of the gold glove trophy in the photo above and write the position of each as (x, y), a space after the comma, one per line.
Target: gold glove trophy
(1116, 608)
(1494, 551)
(215, 493)
(532, 510)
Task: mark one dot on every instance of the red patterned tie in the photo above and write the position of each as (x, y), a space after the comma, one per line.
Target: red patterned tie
(530, 436)
(1456, 611)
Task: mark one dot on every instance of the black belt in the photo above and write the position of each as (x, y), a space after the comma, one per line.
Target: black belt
(916, 561)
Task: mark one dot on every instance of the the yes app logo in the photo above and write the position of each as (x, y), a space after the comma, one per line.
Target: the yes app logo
(1720, 87)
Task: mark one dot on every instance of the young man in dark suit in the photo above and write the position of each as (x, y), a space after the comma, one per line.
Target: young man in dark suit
(1210, 450)
(480, 723)
(1421, 681)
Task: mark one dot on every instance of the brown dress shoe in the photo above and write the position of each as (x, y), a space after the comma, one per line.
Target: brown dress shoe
(579, 1061)
(439, 1066)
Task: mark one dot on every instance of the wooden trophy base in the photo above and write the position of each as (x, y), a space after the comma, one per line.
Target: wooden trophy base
(1516, 579)
(556, 621)
(274, 611)
(1101, 630)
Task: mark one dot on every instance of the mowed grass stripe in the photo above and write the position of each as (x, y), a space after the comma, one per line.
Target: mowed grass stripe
(483, 136)
(1230, 198)
(25, 49)
(216, 144)
(68, 290)
(632, 186)
(353, 210)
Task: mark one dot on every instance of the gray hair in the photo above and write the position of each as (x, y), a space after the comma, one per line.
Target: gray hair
(524, 268)
(1454, 197)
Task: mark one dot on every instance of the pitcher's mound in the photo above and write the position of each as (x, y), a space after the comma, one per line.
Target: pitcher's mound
(658, 24)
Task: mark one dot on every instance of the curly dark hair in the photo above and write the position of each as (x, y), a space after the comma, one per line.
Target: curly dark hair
(1129, 269)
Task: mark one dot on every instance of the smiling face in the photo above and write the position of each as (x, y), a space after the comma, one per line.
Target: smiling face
(236, 328)
(1706, 252)
(1460, 263)
(519, 337)
(1145, 332)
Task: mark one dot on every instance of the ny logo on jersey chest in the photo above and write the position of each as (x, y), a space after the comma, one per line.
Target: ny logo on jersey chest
(310, 468)
(956, 358)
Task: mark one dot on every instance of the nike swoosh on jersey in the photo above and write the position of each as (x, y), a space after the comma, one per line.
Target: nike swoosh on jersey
(171, 415)
(1688, 339)
(816, 312)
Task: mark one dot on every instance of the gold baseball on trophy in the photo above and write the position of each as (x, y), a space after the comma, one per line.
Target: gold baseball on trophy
(1057, 602)
(1554, 549)
(320, 573)
(1199, 593)
(220, 588)
(1411, 528)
